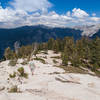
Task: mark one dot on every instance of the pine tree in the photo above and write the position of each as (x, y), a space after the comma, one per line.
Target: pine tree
(50, 43)
(68, 50)
(56, 46)
(84, 51)
(9, 54)
(95, 59)
(65, 57)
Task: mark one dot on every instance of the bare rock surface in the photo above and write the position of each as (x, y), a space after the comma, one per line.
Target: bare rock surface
(46, 84)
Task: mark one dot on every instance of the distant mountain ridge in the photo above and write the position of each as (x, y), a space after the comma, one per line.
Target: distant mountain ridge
(29, 34)
(96, 34)
(40, 33)
(88, 30)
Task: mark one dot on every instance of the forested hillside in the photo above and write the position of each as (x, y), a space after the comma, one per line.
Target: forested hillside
(29, 34)
(80, 53)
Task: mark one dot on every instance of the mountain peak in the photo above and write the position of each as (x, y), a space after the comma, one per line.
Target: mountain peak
(88, 30)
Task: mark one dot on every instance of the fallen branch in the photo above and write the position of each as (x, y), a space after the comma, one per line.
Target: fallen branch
(66, 80)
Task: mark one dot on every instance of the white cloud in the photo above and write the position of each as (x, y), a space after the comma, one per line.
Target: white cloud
(93, 14)
(96, 19)
(79, 13)
(31, 5)
(68, 13)
(10, 18)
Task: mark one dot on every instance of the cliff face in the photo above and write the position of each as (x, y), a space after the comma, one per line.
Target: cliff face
(88, 30)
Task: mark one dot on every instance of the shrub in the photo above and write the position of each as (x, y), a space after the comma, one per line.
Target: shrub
(25, 75)
(39, 59)
(22, 72)
(9, 54)
(44, 52)
(56, 57)
(24, 62)
(12, 62)
(45, 57)
(55, 61)
(12, 75)
(14, 89)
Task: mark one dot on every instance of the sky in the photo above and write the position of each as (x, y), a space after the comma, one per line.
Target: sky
(55, 13)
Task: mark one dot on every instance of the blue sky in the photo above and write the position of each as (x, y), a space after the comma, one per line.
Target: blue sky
(61, 6)
(62, 13)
